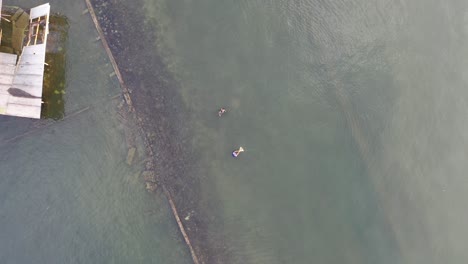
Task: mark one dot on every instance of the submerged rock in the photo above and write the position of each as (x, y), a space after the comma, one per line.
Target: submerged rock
(149, 176)
(149, 165)
(151, 186)
(131, 155)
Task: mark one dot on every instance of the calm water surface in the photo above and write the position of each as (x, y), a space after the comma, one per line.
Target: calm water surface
(353, 116)
(66, 193)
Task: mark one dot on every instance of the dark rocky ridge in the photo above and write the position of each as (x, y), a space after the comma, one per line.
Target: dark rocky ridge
(164, 119)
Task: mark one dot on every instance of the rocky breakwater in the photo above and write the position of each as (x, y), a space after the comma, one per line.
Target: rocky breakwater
(162, 120)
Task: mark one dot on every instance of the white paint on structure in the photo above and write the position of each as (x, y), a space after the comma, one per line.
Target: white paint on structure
(21, 78)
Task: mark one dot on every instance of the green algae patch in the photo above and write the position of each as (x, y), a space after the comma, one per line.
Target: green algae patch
(53, 93)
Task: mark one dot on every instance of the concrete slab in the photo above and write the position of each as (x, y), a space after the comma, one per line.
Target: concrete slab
(4, 88)
(38, 11)
(24, 111)
(21, 79)
(6, 58)
(6, 79)
(24, 101)
(35, 91)
(3, 103)
(34, 69)
(28, 80)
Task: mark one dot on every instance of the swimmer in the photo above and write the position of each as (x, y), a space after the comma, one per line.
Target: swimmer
(236, 153)
(221, 111)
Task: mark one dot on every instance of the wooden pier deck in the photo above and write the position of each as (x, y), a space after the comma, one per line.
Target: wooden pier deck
(21, 77)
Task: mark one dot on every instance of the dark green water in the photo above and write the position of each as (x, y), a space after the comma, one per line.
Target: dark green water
(352, 114)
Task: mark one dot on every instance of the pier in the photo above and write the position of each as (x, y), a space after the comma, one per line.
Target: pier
(22, 61)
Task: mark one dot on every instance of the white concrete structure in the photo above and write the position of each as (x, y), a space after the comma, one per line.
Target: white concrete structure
(21, 77)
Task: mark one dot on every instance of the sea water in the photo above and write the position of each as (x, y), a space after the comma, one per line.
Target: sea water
(352, 115)
(66, 192)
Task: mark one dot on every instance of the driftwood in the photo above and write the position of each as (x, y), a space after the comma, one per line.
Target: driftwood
(181, 225)
(126, 95)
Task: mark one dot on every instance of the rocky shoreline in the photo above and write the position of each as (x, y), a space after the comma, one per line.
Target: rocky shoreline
(162, 117)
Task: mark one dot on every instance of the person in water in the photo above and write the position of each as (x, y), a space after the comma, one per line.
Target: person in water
(237, 152)
(221, 111)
